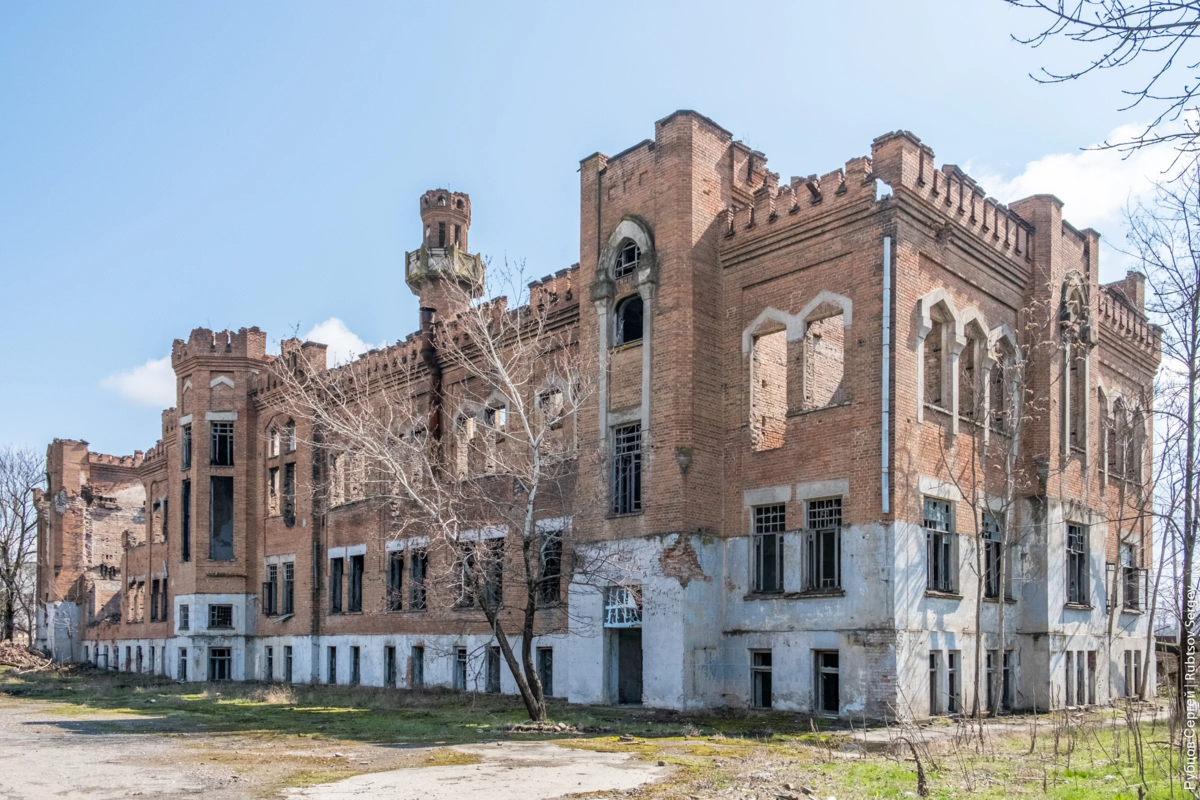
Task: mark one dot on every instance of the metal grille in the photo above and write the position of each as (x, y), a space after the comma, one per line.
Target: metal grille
(824, 514)
(627, 469)
(627, 260)
(770, 519)
(939, 546)
(622, 608)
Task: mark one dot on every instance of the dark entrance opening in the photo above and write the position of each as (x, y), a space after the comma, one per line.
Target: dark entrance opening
(629, 665)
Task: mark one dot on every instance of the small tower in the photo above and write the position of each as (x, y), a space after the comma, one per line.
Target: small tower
(443, 256)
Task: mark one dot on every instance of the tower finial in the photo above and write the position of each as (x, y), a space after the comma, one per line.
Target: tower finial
(443, 256)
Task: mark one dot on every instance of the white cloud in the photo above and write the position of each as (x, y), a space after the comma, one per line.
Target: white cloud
(151, 384)
(1094, 185)
(344, 345)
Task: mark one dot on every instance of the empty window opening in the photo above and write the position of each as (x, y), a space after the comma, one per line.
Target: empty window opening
(934, 350)
(627, 259)
(417, 666)
(269, 669)
(939, 546)
(357, 564)
(220, 616)
(355, 665)
(827, 694)
(287, 663)
(182, 670)
(760, 678)
(998, 398)
(769, 525)
(289, 587)
(220, 664)
(185, 446)
(550, 568)
(545, 670)
(968, 377)
(493, 572)
(1137, 446)
(823, 544)
(389, 665)
(1131, 593)
(273, 491)
(464, 576)
(493, 670)
(1077, 403)
(1133, 673)
(419, 565)
(953, 682)
(290, 434)
(273, 437)
(768, 390)
(629, 320)
(441, 234)
(395, 595)
(289, 494)
(154, 601)
(185, 521)
(824, 358)
(460, 669)
(627, 469)
(935, 683)
(220, 530)
(331, 665)
(458, 235)
(1077, 565)
(221, 449)
(337, 567)
(993, 532)
(270, 591)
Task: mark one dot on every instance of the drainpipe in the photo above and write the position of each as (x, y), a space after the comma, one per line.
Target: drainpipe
(429, 356)
(886, 361)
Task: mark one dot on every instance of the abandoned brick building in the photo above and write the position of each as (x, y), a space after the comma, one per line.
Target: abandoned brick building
(792, 380)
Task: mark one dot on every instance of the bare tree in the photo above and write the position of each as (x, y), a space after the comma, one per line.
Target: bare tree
(1164, 233)
(1118, 34)
(467, 440)
(21, 471)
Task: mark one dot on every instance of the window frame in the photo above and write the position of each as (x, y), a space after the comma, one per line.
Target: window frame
(221, 446)
(626, 485)
(621, 336)
(628, 259)
(761, 688)
(1078, 568)
(941, 574)
(823, 531)
(769, 522)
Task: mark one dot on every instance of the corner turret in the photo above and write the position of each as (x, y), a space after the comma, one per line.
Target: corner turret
(443, 255)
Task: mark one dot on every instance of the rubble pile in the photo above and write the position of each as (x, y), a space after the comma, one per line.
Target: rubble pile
(21, 657)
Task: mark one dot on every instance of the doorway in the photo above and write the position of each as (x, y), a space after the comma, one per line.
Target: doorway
(629, 665)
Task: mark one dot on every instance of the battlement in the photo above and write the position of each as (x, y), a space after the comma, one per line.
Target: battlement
(772, 208)
(907, 165)
(105, 460)
(1118, 314)
(156, 452)
(243, 343)
(546, 292)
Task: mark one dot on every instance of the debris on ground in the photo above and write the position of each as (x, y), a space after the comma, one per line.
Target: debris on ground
(22, 658)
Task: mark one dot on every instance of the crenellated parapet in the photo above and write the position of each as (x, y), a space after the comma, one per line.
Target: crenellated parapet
(105, 460)
(202, 342)
(1119, 316)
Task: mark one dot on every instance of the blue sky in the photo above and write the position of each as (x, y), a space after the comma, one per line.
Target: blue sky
(165, 166)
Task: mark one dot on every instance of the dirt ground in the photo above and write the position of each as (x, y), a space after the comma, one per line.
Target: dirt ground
(50, 751)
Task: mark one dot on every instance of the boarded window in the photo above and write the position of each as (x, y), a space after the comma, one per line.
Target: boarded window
(220, 531)
(768, 390)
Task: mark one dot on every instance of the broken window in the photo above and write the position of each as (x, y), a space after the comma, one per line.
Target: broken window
(934, 349)
(464, 576)
(395, 593)
(154, 600)
(273, 437)
(968, 376)
(760, 678)
(493, 670)
(1137, 446)
(627, 469)
(460, 668)
(290, 434)
(220, 664)
(1130, 583)
(220, 616)
(824, 357)
(1112, 443)
(419, 562)
(1076, 355)
(389, 665)
(355, 665)
(185, 521)
(269, 671)
(270, 591)
(622, 607)
(220, 529)
(1077, 565)
(629, 320)
(336, 568)
(185, 446)
(417, 666)
(356, 583)
(493, 576)
(331, 665)
(545, 670)
(181, 673)
(998, 397)
(289, 494)
(768, 390)
(953, 682)
(550, 405)
(441, 234)
(993, 531)
(769, 525)
(550, 569)
(627, 259)
(827, 694)
(289, 587)
(221, 444)
(823, 544)
(184, 622)
(273, 491)
(935, 683)
(287, 663)
(939, 546)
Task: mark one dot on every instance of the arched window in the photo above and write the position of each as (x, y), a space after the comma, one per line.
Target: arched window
(290, 442)
(627, 259)
(459, 204)
(629, 320)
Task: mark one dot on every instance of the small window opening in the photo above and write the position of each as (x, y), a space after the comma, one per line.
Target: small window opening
(627, 260)
(824, 362)
(760, 678)
(768, 390)
(629, 320)
(441, 234)
(934, 348)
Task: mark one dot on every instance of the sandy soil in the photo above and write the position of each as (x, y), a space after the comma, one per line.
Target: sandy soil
(96, 756)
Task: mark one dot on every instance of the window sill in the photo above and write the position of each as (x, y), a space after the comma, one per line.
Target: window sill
(938, 409)
(625, 515)
(281, 617)
(799, 412)
(936, 595)
(812, 594)
(1131, 612)
(1012, 601)
(616, 348)
(1078, 607)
